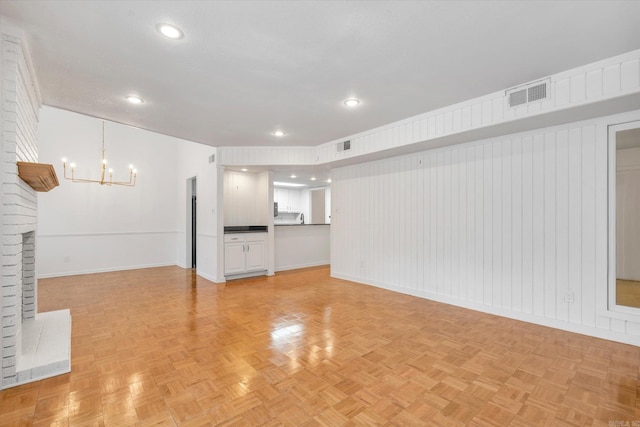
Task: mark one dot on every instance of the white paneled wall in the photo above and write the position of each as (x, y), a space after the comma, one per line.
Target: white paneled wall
(511, 225)
(241, 191)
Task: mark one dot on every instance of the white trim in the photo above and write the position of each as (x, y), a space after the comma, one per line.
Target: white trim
(207, 277)
(610, 308)
(103, 270)
(305, 265)
(210, 235)
(245, 275)
(102, 234)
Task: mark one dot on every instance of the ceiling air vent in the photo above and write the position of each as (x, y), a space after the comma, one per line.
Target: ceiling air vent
(525, 94)
(344, 146)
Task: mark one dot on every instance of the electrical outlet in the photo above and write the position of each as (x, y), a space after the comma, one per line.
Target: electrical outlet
(569, 297)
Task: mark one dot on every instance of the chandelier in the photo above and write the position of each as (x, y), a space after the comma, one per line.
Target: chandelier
(104, 180)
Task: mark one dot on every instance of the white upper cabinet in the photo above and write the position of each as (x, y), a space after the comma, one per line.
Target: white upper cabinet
(294, 200)
(287, 200)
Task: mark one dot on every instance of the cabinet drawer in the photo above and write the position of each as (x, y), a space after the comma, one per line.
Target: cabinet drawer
(234, 237)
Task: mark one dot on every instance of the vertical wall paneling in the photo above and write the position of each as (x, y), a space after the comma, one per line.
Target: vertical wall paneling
(479, 223)
(588, 225)
(506, 225)
(611, 79)
(454, 258)
(444, 199)
(507, 160)
(562, 225)
(527, 224)
(488, 236)
(630, 74)
(538, 225)
(516, 224)
(550, 229)
(497, 223)
(575, 224)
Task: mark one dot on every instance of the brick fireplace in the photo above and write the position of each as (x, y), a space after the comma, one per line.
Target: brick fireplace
(33, 345)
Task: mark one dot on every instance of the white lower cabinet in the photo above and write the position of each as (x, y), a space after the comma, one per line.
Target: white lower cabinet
(245, 253)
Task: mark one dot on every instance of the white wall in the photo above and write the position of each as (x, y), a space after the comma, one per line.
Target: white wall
(628, 214)
(299, 246)
(86, 228)
(509, 225)
(193, 161)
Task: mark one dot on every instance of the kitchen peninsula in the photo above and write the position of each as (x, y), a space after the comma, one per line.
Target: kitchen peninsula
(301, 245)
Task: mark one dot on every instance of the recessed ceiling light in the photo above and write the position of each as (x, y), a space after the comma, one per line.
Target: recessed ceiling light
(329, 180)
(351, 102)
(170, 31)
(244, 169)
(134, 99)
(279, 133)
(293, 176)
(313, 178)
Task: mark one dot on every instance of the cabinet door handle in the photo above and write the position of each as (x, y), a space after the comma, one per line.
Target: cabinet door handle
(248, 247)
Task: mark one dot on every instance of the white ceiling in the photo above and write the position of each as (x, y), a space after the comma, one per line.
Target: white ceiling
(245, 68)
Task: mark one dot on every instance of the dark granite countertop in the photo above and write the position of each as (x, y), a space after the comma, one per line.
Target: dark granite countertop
(228, 229)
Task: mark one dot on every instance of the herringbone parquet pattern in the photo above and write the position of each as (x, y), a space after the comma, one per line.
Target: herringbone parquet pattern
(164, 347)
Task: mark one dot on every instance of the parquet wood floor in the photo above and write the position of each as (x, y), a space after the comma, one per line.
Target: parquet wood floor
(164, 347)
(628, 293)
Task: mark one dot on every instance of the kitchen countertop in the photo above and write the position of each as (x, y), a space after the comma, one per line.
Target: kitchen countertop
(229, 229)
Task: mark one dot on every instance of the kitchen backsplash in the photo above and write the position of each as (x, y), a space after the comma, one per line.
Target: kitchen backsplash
(287, 218)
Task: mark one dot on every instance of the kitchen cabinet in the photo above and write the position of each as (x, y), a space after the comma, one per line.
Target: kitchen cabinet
(288, 200)
(245, 253)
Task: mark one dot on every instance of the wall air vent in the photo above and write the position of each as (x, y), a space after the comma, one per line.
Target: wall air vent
(344, 146)
(212, 158)
(521, 95)
(518, 97)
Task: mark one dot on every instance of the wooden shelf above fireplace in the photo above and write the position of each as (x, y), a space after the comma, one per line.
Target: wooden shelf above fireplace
(39, 176)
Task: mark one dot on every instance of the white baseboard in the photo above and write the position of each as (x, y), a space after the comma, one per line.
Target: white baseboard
(297, 266)
(102, 270)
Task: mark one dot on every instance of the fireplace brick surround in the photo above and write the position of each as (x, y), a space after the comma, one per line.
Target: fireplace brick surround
(33, 345)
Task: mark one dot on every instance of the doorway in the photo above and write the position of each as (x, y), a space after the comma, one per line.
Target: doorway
(317, 206)
(625, 291)
(191, 224)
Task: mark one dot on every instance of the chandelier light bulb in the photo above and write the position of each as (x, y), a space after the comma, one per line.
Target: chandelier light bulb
(103, 171)
(279, 133)
(64, 160)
